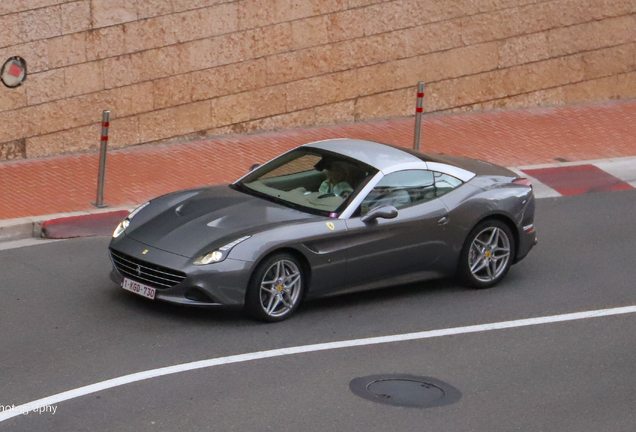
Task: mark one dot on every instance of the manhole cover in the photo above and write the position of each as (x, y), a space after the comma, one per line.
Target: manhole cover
(405, 390)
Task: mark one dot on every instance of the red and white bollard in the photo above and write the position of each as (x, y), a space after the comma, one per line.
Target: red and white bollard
(418, 115)
(102, 161)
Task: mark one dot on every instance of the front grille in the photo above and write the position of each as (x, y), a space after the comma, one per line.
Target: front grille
(145, 272)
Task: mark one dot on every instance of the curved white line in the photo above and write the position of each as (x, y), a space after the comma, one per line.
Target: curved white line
(154, 373)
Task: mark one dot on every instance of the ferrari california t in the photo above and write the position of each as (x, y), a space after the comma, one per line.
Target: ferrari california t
(326, 218)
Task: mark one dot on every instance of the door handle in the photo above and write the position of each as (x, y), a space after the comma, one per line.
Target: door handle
(443, 220)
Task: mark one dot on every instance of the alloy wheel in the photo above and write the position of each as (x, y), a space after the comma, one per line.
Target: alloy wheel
(489, 254)
(280, 288)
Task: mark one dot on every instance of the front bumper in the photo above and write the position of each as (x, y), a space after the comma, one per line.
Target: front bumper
(218, 284)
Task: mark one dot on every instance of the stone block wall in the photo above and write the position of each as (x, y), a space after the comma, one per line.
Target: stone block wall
(182, 68)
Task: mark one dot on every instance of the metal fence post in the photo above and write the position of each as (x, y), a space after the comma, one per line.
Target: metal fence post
(418, 115)
(102, 161)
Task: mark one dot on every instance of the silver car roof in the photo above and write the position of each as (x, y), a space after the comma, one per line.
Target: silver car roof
(387, 159)
(380, 156)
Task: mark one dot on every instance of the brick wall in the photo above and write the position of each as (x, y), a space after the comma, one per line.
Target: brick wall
(175, 68)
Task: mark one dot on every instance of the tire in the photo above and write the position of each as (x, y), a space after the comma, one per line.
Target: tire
(275, 289)
(487, 254)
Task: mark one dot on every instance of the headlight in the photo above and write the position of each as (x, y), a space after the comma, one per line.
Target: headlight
(220, 254)
(124, 224)
(213, 257)
(121, 227)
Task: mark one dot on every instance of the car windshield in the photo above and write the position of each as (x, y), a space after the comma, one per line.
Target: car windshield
(311, 180)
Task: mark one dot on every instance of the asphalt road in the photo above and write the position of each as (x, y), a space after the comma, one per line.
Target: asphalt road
(64, 325)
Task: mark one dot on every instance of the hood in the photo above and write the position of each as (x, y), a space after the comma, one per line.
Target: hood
(207, 218)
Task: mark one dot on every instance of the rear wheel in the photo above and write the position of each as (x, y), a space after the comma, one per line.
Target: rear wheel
(276, 288)
(487, 254)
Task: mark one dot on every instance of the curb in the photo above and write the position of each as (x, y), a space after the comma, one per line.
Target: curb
(102, 222)
(573, 163)
(63, 225)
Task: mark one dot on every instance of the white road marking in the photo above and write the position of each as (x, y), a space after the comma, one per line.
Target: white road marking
(240, 358)
(14, 244)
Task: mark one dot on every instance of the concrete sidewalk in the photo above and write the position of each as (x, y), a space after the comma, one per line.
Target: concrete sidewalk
(66, 185)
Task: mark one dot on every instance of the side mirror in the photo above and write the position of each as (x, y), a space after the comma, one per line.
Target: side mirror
(384, 212)
(253, 167)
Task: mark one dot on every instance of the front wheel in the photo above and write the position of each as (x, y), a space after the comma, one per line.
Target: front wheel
(276, 288)
(487, 254)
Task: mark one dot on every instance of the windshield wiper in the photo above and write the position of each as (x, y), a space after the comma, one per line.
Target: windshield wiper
(290, 204)
(279, 200)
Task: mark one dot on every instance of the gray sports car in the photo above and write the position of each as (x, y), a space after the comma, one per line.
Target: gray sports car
(326, 218)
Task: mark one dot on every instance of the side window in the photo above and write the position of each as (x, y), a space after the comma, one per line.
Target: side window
(401, 189)
(445, 183)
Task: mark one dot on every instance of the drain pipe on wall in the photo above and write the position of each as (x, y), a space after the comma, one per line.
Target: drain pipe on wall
(418, 115)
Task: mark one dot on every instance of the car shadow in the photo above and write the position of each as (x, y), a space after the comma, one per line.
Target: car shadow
(184, 314)
(383, 295)
(227, 316)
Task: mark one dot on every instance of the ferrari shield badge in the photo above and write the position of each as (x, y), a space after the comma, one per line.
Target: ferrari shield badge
(145, 252)
(331, 226)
